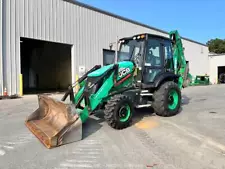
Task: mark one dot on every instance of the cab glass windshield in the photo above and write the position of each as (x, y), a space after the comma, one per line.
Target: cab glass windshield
(129, 49)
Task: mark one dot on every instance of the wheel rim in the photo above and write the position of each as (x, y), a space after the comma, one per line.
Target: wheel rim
(124, 113)
(173, 99)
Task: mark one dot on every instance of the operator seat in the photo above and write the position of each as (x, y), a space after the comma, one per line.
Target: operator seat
(151, 60)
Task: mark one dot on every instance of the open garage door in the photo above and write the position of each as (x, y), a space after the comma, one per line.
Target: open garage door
(45, 66)
(221, 74)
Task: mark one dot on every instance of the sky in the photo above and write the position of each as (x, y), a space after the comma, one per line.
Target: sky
(199, 20)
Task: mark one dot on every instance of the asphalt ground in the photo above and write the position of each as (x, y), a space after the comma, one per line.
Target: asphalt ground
(193, 139)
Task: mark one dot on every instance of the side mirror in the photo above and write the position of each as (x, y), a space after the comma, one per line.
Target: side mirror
(110, 46)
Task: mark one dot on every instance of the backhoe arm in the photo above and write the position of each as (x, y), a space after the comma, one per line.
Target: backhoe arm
(180, 65)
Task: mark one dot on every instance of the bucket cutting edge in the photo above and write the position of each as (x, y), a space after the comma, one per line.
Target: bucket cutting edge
(55, 123)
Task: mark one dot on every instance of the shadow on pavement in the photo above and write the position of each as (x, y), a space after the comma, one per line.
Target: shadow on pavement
(185, 100)
(138, 115)
(10, 97)
(91, 126)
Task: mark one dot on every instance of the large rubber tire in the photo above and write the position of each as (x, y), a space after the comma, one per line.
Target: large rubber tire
(162, 104)
(113, 109)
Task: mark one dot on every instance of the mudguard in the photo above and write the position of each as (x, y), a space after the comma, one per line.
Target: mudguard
(167, 76)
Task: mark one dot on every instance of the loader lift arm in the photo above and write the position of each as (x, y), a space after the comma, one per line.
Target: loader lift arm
(79, 82)
(98, 89)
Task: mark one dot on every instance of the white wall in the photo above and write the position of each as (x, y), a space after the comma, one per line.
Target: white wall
(197, 55)
(215, 61)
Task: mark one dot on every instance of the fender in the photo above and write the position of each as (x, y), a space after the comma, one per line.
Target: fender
(167, 76)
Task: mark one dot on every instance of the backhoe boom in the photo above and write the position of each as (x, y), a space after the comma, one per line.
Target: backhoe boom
(181, 67)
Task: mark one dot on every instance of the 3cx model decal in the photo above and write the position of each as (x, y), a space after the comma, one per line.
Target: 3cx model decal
(123, 71)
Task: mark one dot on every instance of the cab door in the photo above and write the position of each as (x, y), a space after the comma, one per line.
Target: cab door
(168, 55)
(154, 59)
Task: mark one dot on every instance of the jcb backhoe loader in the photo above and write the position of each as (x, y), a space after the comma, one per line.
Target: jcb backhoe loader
(150, 71)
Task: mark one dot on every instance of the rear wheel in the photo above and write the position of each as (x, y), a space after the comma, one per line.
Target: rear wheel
(119, 111)
(167, 99)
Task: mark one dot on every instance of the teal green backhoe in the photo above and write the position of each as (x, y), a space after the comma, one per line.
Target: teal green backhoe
(150, 71)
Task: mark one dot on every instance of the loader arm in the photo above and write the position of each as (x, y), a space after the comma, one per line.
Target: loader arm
(181, 67)
(99, 88)
(92, 97)
(86, 95)
(81, 82)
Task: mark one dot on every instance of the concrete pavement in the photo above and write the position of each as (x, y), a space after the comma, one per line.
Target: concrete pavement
(193, 139)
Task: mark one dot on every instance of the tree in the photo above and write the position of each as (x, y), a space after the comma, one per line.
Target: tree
(216, 45)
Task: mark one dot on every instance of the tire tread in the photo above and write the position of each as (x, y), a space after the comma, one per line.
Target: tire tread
(110, 111)
(159, 97)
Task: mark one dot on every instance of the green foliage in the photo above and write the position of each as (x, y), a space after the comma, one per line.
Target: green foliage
(216, 45)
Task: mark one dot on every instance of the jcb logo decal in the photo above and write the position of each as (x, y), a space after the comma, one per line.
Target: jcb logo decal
(123, 72)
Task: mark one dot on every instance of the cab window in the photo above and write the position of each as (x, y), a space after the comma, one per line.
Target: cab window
(153, 57)
(168, 54)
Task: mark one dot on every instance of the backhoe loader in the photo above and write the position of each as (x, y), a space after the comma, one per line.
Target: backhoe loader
(149, 71)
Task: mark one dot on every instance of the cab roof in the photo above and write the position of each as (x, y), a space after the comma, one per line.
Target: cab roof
(146, 34)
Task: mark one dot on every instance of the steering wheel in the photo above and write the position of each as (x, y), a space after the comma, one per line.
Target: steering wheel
(150, 58)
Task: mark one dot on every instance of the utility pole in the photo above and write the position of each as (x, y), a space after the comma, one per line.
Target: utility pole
(116, 53)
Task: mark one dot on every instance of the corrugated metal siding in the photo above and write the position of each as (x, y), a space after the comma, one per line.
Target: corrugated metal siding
(7, 45)
(1, 65)
(59, 21)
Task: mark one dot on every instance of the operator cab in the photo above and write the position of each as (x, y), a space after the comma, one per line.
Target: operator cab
(152, 55)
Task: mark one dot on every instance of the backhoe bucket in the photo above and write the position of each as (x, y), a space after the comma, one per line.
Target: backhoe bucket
(55, 123)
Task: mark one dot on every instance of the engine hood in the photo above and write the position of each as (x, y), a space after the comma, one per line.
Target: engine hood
(122, 65)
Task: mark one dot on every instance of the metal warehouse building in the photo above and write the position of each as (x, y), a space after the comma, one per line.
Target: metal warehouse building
(46, 41)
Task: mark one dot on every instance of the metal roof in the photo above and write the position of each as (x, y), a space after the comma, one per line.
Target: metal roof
(125, 19)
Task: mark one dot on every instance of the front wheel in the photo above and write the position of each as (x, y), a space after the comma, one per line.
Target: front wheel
(119, 111)
(167, 99)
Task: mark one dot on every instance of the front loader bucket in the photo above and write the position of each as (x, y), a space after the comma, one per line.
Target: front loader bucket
(55, 123)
